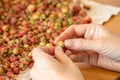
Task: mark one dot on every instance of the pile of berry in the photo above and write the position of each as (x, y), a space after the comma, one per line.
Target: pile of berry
(25, 24)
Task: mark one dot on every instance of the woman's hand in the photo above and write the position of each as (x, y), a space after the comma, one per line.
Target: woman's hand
(104, 45)
(48, 68)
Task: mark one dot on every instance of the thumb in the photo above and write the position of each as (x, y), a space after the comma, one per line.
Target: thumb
(61, 56)
(83, 44)
(41, 57)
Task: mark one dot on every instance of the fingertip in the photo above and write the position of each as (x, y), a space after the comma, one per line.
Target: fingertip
(48, 49)
(73, 56)
(60, 38)
(67, 34)
(61, 56)
(36, 53)
(68, 52)
(58, 49)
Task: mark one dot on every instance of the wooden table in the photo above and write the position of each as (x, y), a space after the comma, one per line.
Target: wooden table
(94, 73)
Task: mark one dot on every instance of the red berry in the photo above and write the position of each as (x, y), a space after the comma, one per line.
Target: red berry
(12, 32)
(0, 30)
(75, 18)
(87, 7)
(2, 78)
(25, 23)
(89, 20)
(54, 34)
(16, 70)
(75, 9)
(1, 70)
(46, 3)
(20, 33)
(13, 59)
(18, 11)
(33, 40)
(12, 66)
(82, 13)
(10, 74)
(40, 29)
(31, 65)
(13, 20)
(48, 36)
(86, 20)
(47, 12)
(25, 62)
(2, 49)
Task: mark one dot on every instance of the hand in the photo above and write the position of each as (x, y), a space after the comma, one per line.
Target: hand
(48, 68)
(96, 38)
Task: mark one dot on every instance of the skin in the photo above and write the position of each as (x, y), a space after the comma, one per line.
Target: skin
(90, 43)
(101, 47)
(48, 68)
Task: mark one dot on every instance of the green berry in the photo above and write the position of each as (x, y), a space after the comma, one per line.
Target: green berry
(42, 16)
(48, 44)
(60, 43)
(31, 8)
(5, 28)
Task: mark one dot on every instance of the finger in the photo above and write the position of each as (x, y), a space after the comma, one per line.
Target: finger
(79, 30)
(77, 51)
(68, 33)
(90, 52)
(33, 74)
(68, 52)
(83, 44)
(42, 58)
(90, 59)
(62, 57)
(49, 49)
(107, 63)
(80, 57)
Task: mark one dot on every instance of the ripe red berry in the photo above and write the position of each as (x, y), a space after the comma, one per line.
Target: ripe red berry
(20, 33)
(10, 74)
(33, 40)
(31, 65)
(16, 70)
(75, 9)
(13, 59)
(2, 78)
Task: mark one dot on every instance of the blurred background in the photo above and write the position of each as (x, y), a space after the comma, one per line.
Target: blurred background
(112, 2)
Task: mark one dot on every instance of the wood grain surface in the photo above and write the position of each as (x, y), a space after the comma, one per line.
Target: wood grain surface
(94, 73)
(111, 2)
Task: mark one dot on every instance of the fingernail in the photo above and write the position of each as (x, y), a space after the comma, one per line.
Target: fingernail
(68, 43)
(59, 48)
